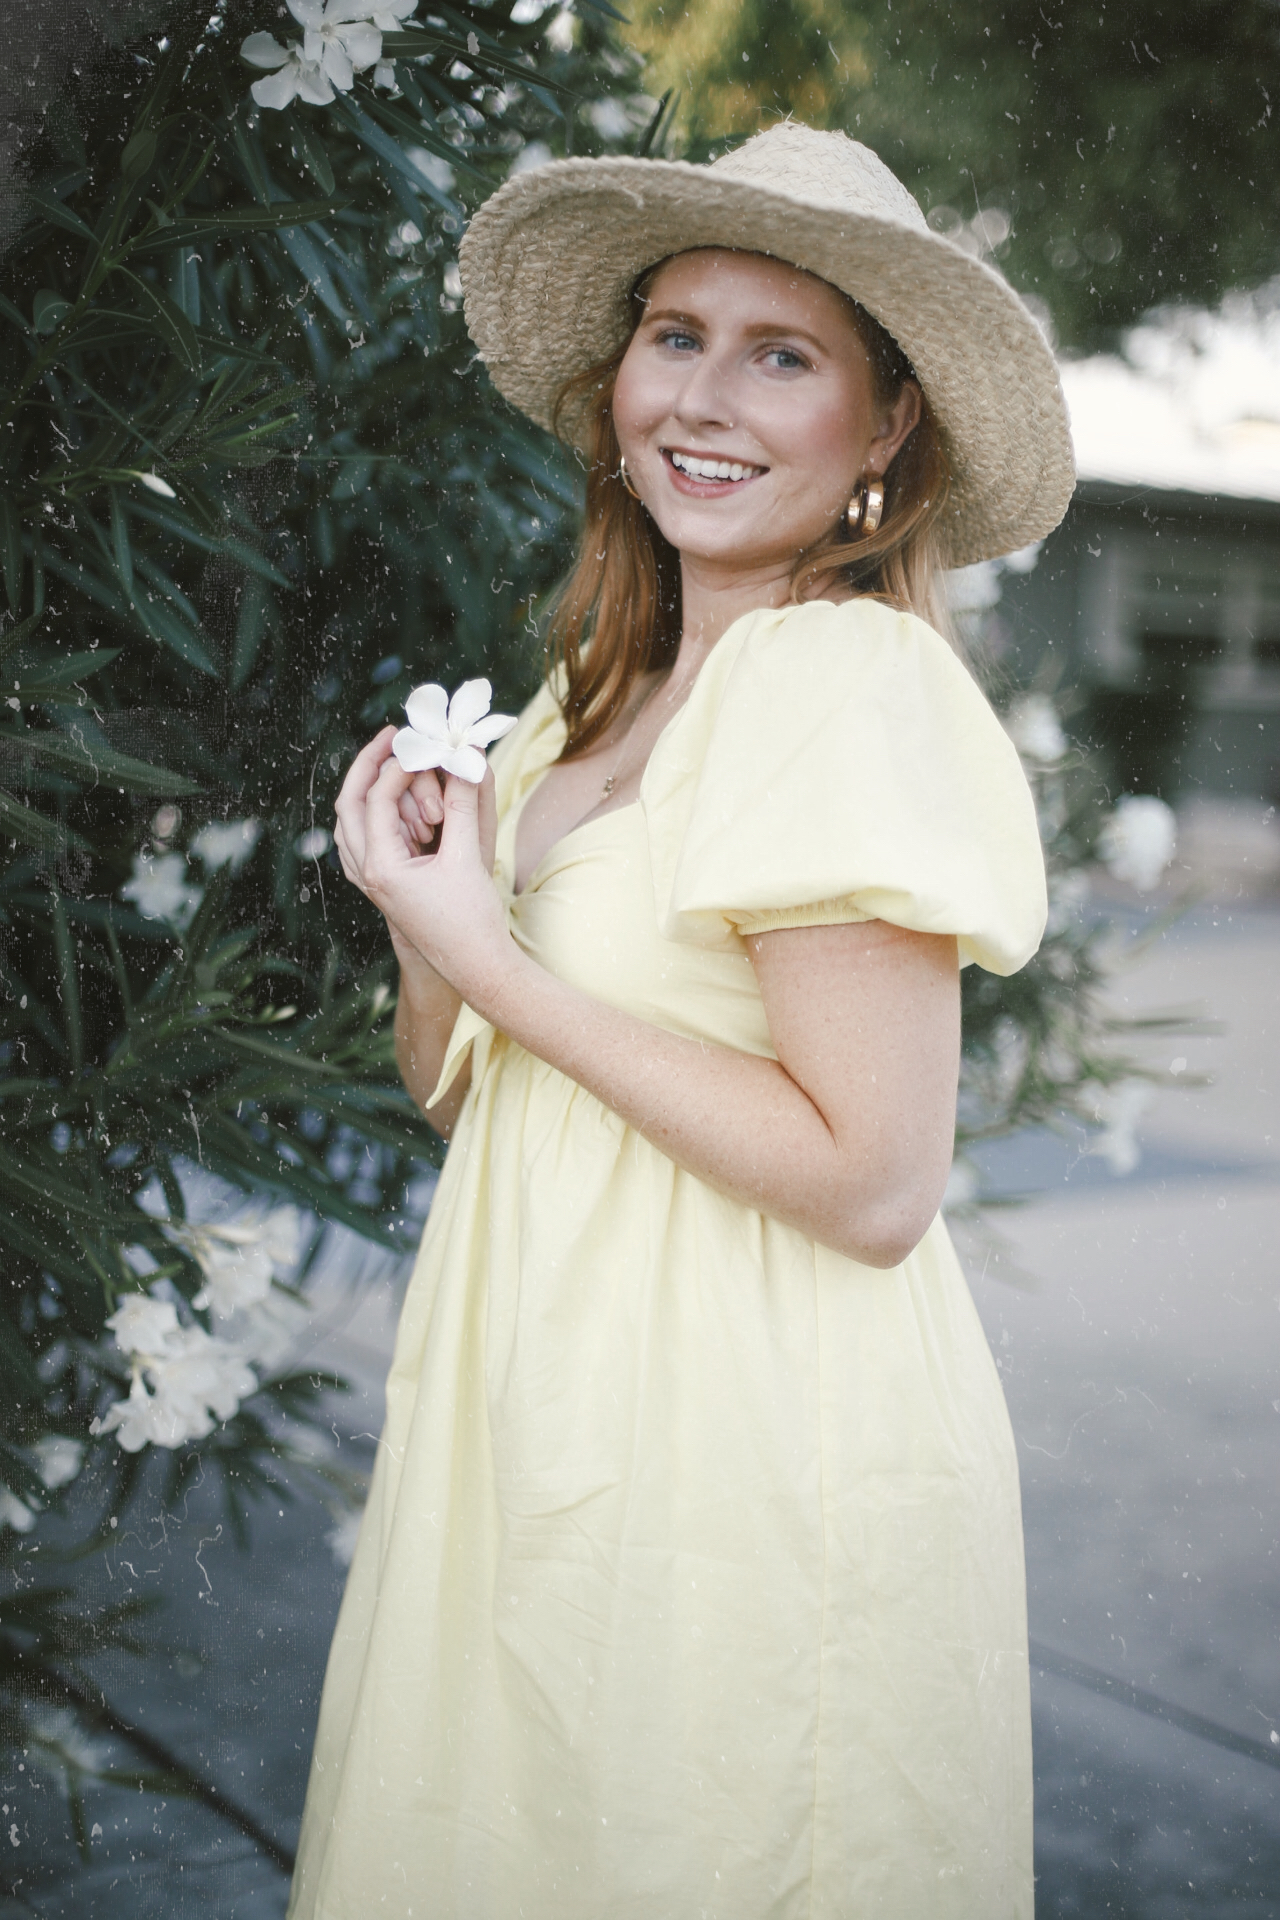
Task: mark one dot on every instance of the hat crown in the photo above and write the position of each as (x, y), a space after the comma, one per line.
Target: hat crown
(821, 169)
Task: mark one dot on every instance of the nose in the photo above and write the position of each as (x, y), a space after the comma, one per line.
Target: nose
(705, 397)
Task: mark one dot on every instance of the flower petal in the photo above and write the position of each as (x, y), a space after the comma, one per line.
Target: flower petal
(264, 50)
(467, 762)
(469, 704)
(337, 67)
(313, 46)
(427, 709)
(384, 74)
(491, 728)
(278, 89)
(415, 752)
(308, 13)
(314, 86)
(362, 42)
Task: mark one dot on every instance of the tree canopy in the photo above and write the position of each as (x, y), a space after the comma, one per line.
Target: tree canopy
(1111, 156)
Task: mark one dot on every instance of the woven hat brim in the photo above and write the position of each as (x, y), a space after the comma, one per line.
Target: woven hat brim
(548, 264)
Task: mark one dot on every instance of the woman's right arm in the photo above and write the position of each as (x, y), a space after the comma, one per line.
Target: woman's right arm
(425, 1013)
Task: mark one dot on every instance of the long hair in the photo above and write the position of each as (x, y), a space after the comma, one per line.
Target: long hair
(617, 614)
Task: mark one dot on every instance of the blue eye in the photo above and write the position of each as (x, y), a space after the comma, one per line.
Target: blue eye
(786, 358)
(677, 338)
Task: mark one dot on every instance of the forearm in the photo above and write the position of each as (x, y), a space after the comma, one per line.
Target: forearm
(426, 1010)
(735, 1120)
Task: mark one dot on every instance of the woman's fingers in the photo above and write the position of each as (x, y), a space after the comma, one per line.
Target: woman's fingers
(488, 818)
(361, 775)
(384, 838)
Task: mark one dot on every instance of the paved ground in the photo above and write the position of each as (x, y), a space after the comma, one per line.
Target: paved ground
(1135, 1321)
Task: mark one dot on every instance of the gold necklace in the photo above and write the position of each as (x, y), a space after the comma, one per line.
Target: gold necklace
(612, 780)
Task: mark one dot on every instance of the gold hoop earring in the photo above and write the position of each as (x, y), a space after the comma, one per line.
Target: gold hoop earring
(625, 477)
(865, 510)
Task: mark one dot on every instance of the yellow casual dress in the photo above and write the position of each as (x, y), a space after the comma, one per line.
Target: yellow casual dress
(690, 1585)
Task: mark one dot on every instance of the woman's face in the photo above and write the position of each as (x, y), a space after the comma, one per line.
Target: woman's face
(757, 367)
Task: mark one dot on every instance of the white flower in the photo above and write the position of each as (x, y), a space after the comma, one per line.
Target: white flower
(338, 41)
(240, 1260)
(1117, 1110)
(160, 889)
(142, 1325)
(14, 1512)
(311, 844)
(63, 1745)
(389, 15)
(1035, 729)
(58, 1459)
(226, 843)
(198, 1379)
(1138, 841)
(451, 734)
(295, 78)
(129, 1419)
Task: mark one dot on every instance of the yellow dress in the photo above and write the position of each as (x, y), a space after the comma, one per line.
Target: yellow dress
(690, 1585)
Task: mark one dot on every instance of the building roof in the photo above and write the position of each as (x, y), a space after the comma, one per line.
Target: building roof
(1193, 406)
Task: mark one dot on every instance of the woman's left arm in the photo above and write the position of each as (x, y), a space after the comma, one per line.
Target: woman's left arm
(846, 1136)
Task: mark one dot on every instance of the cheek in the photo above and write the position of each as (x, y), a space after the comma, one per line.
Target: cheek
(636, 399)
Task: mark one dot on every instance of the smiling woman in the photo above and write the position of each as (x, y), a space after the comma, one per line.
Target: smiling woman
(691, 1577)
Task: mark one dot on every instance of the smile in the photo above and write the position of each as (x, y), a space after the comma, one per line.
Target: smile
(700, 467)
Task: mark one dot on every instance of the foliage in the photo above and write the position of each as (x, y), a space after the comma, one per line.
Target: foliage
(1131, 145)
(252, 486)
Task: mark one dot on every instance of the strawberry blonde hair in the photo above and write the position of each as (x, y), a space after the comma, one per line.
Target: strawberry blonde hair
(617, 614)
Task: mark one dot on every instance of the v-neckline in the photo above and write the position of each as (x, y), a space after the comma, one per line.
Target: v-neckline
(583, 826)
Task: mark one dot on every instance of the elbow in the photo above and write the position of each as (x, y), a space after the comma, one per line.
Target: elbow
(886, 1231)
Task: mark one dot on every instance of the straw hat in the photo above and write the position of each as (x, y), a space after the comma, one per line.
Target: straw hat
(549, 262)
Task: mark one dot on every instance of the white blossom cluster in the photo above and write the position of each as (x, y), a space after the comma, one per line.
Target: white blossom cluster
(161, 886)
(340, 38)
(57, 1460)
(184, 1379)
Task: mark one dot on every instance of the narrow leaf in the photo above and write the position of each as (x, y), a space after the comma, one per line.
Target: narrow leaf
(120, 541)
(33, 829)
(12, 532)
(73, 755)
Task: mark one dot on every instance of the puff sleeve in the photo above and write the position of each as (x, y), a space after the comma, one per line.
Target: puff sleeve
(839, 763)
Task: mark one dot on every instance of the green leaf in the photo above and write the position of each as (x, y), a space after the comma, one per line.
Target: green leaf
(104, 763)
(163, 624)
(138, 155)
(168, 318)
(257, 614)
(59, 215)
(298, 213)
(11, 530)
(120, 541)
(19, 822)
(49, 310)
(53, 673)
(314, 156)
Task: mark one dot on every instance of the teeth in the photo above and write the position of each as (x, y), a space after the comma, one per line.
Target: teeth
(699, 469)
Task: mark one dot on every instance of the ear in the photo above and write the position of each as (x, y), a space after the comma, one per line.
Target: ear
(896, 424)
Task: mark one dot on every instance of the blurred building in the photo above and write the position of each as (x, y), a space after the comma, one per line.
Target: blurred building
(1159, 596)
(1155, 607)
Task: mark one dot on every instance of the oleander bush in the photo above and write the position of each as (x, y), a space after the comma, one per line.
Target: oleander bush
(253, 486)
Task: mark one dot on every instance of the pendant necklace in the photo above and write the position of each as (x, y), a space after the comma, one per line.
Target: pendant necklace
(612, 780)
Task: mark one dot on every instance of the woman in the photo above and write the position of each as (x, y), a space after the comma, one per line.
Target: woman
(691, 1580)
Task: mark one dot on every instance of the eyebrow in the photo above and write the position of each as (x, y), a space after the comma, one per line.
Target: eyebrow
(761, 332)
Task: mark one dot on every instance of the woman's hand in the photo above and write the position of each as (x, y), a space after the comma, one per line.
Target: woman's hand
(423, 853)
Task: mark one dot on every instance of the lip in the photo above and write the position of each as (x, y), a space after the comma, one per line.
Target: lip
(701, 489)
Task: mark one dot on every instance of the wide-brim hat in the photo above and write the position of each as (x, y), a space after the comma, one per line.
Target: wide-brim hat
(549, 263)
